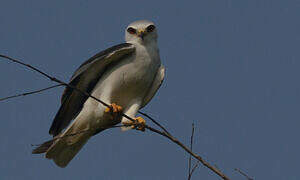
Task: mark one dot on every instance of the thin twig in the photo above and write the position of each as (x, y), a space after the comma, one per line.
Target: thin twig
(53, 78)
(190, 157)
(176, 141)
(154, 121)
(31, 92)
(163, 133)
(194, 168)
(244, 174)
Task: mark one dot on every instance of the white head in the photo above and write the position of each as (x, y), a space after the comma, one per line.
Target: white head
(142, 32)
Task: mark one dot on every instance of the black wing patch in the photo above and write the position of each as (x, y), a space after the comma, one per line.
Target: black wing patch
(85, 78)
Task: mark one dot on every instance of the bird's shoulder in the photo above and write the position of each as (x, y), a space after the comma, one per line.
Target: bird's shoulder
(108, 51)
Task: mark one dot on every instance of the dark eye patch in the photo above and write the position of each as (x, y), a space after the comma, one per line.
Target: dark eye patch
(131, 30)
(150, 28)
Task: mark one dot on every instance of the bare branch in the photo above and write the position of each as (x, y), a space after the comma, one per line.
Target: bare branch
(54, 79)
(163, 133)
(31, 92)
(176, 141)
(190, 157)
(195, 166)
(244, 174)
(154, 121)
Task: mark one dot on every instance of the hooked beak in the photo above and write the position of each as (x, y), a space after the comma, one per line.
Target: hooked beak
(141, 33)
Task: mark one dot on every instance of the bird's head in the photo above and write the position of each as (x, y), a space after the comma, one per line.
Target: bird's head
(142, 32)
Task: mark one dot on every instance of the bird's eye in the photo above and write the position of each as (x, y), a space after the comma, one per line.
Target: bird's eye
(131, 30)
(150, 28)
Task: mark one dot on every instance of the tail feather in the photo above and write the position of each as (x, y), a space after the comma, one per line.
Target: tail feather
(64, 153)
(43, 147)
(60, 150)
(63, 148)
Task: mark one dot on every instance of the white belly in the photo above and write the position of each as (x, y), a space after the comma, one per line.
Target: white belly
(128, 81)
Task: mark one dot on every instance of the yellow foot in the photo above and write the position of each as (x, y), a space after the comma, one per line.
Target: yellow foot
(114, 109)
(139, 124)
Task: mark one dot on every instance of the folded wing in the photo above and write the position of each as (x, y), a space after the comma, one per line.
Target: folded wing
(85, 78)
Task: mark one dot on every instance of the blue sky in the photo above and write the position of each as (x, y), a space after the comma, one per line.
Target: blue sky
(232, 69)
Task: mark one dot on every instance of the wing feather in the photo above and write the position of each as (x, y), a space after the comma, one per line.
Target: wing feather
(85, 78)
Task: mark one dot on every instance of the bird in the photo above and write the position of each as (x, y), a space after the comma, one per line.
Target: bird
(125, 76)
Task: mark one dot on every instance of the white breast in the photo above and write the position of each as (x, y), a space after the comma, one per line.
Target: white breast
(129, 80)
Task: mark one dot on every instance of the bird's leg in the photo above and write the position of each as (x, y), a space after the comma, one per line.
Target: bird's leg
(138, 124)
(114, 109)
